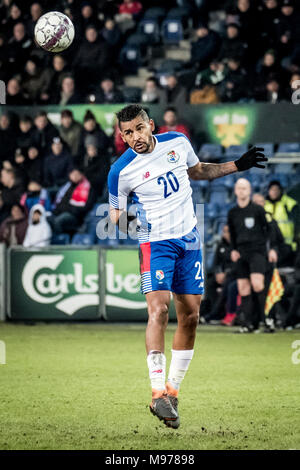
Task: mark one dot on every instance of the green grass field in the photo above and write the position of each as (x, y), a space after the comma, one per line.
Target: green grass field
(86, 386)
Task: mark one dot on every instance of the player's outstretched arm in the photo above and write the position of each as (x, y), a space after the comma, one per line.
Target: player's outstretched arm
(210, 171)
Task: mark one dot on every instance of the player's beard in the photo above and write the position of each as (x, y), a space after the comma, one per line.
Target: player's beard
(144, 146)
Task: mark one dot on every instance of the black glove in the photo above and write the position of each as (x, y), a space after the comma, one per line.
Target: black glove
(251, 159)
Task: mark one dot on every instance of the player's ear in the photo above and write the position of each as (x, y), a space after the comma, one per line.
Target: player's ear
(152, 124)
(123, 138)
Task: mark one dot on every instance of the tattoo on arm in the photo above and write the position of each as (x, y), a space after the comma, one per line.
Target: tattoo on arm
(210, 171)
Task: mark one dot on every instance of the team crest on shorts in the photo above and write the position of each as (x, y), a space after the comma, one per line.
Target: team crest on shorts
(249, 222)
(173, 157)
(160, 274)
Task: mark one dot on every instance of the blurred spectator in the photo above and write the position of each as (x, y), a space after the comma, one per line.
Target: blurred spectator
(57, 164)
(285, 210)
(7, 138)
(14, 95)
(225, 286)
(176, 94)
(235, 85)
(108, 93)
(70, 131)
(92, 128)
(130, 8)
(38, 232)
(273, 92)
(13, 228)
(88, 16)
(92, 58)
(119, 144)
(171, 123)
(205, 48)
(12, 190)
(267, 68)
(112, 35)
(129, 12)
(56, 73)
(34, 164)
(73, 201)
(268, 20)
(35, 194)
(153, 93)
(232, 44)
(18, 49)
(44, 132)
(282, 249)
(211, 76)
(4, 68)
(95, 166)
(36, 12)
(14, 17)
(243, 13)
(25, 134)
(19, 164)
(68, 94)
(34, 80)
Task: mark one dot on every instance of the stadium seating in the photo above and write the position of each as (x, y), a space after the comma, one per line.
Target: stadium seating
(289, 147)
(268, 148)
(235, 151)
(150, 29)
(210, 152)
(155, 13)
(286, 168)
(131, 94)
(130, 59)
(61, 239)
(83, 239)
(171, 31)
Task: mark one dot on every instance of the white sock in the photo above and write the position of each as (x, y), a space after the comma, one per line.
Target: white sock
(179, 365)
(157, 369)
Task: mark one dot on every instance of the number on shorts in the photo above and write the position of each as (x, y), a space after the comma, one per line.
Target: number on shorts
(199, 276)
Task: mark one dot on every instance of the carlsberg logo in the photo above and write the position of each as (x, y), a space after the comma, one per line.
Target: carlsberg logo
(118, 287)
(54, 288)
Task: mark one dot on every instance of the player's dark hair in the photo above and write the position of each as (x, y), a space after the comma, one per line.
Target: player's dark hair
(130, 112)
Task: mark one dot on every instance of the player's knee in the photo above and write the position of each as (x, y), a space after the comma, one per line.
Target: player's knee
(159, 314)
(191, 320)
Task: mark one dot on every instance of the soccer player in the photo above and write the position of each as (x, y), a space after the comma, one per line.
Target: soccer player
(155, 173)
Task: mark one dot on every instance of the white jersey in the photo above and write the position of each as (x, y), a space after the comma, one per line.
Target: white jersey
(159, 185)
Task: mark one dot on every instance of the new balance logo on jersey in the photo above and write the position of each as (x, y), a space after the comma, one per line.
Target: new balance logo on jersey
(146, 175)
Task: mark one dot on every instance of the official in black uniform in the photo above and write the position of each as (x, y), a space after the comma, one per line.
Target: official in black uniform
(252, 247)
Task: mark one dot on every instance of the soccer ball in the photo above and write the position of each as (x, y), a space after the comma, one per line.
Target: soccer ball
(54, 31)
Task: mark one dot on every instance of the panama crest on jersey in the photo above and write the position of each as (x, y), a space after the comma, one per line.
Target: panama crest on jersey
(160, 274)
(173, 157)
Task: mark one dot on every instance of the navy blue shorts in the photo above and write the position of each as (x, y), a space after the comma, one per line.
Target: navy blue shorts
(174, 265)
